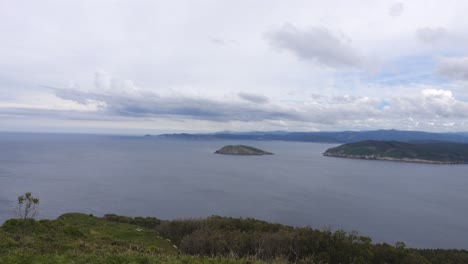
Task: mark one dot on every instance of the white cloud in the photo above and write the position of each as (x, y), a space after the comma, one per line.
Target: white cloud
(438, 106)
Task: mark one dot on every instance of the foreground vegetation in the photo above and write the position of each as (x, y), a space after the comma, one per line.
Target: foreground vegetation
(79, 238)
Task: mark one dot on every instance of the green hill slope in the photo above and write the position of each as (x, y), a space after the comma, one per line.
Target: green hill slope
(79, 238)
(433, 152)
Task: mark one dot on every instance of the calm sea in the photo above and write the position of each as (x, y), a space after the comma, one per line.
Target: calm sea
(422, 205)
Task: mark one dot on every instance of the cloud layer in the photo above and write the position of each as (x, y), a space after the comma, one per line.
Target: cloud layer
(152, 66)
(424, 109)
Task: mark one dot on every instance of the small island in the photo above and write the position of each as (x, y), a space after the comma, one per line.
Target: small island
(241, 150)
(432, 152)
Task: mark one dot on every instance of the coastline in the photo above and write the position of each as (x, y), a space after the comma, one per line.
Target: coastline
(373, 157)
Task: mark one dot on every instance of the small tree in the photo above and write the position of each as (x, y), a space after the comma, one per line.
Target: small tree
(28, 206)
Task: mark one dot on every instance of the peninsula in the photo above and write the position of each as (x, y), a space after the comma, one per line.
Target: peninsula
(431, 152)
(241, 150)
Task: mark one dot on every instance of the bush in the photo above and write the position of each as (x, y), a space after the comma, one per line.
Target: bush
(148, 222)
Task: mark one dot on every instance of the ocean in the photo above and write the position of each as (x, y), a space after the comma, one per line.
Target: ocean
(423, 205)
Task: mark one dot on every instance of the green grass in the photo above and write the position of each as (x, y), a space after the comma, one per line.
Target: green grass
(22, 258)
(80, 238)
(99, 229)
(75, 235)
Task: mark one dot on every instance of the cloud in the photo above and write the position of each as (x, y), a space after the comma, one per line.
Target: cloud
(168, 60)
(102, 80)
(430, 108)
(430, 104)
(315, 44)
(105, 82)
(152, 105)
(396, 9)
(430, 35)
(221, 41)
(453, 68)
(253, 98)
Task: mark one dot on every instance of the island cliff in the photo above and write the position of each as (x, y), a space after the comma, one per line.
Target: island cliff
(432, 152)
(241, 150)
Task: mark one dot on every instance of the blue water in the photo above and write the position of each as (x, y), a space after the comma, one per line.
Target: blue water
(423, 205)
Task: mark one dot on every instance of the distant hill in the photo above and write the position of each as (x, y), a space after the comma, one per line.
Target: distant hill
(434, 152)
(328, 137)
(241, 150)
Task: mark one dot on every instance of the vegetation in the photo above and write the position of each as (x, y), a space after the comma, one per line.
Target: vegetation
(267, 242)
(80, 238)
(241, 150)
(432, 152)
(27, 206)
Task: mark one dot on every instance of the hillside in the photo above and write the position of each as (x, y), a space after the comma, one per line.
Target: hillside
(79, 238)
(241, 150)
(432, 152)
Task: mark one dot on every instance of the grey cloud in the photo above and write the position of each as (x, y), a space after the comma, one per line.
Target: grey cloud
(453, 68)
(396, 9)
(316, 96)
(430, 35)
(156, 106)
(74, 95)
(316, 44)
(254, 98)
(428, 104)
(336, 110)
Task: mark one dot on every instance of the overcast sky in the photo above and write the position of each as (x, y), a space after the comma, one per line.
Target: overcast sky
(141, 66)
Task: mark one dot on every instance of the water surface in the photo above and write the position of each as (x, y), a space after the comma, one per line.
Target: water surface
(421, 204)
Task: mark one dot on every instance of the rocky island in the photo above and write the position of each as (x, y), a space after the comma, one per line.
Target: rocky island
(241, 150)
(431, 152)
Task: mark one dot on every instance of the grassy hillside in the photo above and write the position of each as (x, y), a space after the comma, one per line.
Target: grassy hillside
(79, 238)
(437, 152)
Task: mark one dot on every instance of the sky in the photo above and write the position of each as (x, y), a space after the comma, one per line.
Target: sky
(149, 66)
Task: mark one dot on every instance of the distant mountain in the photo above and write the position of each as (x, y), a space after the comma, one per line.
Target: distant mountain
(437, 152)
(329, 137)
